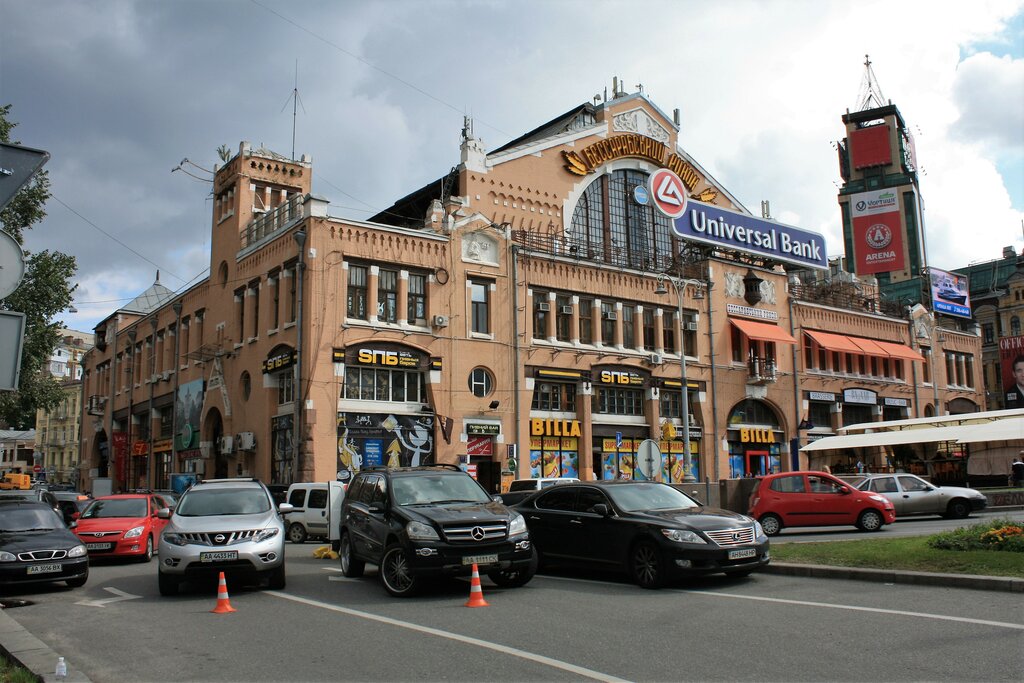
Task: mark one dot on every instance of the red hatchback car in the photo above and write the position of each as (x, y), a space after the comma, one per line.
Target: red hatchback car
(816, 499)
(122, 525)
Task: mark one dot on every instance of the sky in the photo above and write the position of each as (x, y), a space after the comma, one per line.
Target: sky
(133, 98)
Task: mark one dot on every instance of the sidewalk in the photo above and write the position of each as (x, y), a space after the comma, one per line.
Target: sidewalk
(988, 583)
(21, 647)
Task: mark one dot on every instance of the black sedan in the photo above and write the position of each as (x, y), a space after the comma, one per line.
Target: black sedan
(649, 529)
(36, 546)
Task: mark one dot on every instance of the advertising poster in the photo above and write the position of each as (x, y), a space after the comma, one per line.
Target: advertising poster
(390, 439)
(877, 232)
(950, 293)
(1011, 360)
(188, 408)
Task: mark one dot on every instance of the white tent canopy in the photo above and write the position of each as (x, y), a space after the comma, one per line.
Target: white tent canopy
(1009, 429)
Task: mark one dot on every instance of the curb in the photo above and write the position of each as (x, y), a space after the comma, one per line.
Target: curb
(24, 649)
(989, 583)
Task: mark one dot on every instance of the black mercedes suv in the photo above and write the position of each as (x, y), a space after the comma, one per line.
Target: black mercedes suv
(421, 522)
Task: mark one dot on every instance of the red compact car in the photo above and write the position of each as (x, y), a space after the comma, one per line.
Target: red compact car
(123, 525)
(816, 499)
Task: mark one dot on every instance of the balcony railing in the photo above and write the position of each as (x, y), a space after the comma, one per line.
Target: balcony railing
(761, 370)
(97, 405)
(267, 224)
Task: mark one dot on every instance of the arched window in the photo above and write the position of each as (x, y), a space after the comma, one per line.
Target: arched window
(609, 225)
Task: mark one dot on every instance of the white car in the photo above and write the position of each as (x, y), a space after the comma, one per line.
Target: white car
(912, 495)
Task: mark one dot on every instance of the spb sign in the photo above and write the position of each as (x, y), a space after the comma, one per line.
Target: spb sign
(668, 193)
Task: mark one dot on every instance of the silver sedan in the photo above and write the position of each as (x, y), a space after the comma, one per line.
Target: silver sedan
(912, 495)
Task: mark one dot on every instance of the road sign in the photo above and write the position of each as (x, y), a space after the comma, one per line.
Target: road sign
(37, 468)
(17, 166)
(668, 193)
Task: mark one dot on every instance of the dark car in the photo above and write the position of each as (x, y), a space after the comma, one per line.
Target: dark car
(35, 546)
(419, 522)
(37, 495)
(648, 529)
(71, 502)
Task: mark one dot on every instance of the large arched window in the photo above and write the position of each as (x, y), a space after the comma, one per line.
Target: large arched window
(609, 225)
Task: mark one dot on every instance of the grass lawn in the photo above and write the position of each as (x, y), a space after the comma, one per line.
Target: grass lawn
(911, 554)
(11, 673)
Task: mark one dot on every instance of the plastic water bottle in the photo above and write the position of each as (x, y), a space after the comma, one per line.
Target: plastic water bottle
(62, 669)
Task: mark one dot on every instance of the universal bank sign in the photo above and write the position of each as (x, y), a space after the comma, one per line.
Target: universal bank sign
(730, 230)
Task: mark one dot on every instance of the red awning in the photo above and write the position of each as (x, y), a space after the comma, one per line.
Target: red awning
(763, 331)
(834, 342)
(869, 347)
(901, 351)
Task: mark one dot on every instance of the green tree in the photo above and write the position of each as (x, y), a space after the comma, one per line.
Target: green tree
(45, 291)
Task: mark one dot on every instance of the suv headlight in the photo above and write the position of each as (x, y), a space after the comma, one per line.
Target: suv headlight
(264, 534)
(174, 539)
(78, 551)
(517, 525)
(683, 536)
(418, 531)
(134, 532)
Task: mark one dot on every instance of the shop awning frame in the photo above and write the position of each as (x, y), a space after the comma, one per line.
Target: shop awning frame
(834, 342)
(763, 331)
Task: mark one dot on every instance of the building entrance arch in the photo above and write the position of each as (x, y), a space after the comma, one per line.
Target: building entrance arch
(755, 437)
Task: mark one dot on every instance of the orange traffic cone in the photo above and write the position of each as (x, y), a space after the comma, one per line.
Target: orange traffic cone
(223, 604)
(476, 596)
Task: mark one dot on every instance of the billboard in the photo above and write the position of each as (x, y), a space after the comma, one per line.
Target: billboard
(722, 228)
(1011, 360)
(188, 409)
(950, 293)
(870, 147)
(877, 232)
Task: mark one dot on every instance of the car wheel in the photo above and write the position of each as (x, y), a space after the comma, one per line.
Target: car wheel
(958, 509)
(148, 555)
(514, 577)
(168, 584)
(771, 524)
(79, 582)
(350, 566)
(297, 533)
(396, 573)
(646, 565)
(277, 579)
(870, 520)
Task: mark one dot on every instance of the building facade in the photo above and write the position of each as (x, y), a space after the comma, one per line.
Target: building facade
(531, 313)
(58, 431)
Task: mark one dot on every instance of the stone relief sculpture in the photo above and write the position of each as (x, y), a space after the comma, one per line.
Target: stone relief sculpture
(639, 121)
(734, 286)
(479, 247)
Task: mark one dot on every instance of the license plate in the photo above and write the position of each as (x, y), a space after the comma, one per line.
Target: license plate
(99, 546)
(45, 568)
(740, 554)
(219, 556)
(479, 559)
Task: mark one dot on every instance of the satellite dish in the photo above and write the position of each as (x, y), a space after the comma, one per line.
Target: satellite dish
(648, 461)
(12, 264)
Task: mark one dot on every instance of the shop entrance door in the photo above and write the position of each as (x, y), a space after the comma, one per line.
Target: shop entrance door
(757, 463)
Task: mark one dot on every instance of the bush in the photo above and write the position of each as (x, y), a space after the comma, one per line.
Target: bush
(996, 534)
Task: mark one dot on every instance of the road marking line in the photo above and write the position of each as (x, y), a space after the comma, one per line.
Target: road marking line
(120, 595)
(855, 608)
(504, 649)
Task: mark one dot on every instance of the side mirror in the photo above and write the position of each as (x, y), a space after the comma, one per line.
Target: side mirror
(844, 490)
(163, 513)
(376, 507)
(72, 525)
(497, 499)
(285, 508)
(76, 515)
(600, 509)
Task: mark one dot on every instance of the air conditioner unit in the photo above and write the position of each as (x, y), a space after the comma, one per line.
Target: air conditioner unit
(565, 309)
(226, 443)
(544, 306)
(611, 315)
(655, 359)
(246, 441)
(691, 327)
(440, 321)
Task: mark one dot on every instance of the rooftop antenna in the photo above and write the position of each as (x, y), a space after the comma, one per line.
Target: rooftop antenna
(296, 103)
(869, 89)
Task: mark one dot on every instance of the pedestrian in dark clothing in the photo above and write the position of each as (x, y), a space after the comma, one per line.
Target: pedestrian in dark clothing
(1017, 472)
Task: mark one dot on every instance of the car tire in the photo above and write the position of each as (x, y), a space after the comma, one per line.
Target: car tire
(79, 582)
(870, 520)
(350, 566)
(646, 565)
(277, 580)
(771, 524)
(514, 577)
(958, 508)
(396, 573)
(148, 554)
(168, 584)
(297, 533)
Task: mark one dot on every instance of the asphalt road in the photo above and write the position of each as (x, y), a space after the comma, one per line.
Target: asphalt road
(559, 627)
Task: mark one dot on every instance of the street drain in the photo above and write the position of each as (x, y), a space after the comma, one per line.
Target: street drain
(15, 603)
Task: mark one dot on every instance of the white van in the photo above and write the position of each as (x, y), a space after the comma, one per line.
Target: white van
(315, 505)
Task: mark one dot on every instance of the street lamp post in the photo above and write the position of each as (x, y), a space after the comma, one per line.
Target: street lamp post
(680, 284)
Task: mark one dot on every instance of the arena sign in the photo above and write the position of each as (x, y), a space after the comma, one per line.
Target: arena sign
(730, 230)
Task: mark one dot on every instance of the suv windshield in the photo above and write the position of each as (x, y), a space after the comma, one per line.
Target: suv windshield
(200, 502)
(425, 489)
(124, 507)
(653, 496)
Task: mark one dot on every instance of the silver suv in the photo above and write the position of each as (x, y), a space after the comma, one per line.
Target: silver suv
(223, 525)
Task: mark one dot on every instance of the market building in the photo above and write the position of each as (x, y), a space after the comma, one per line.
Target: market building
(533, 312)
